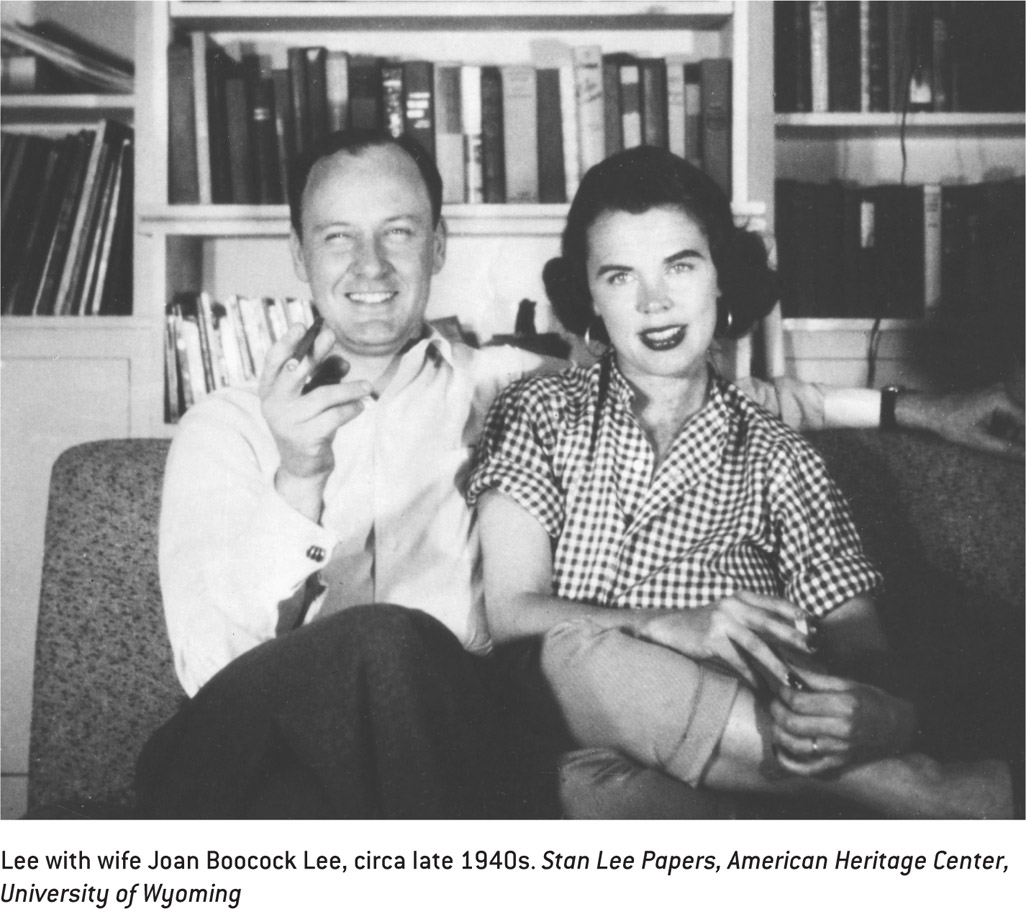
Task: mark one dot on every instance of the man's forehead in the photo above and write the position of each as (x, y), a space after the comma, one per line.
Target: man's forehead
(380, 171)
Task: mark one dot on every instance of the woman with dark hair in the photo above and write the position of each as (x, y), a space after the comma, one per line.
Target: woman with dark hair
(692, 568)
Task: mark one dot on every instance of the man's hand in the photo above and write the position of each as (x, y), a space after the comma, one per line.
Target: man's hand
(304, 426)
(987, 419)
(738, 632)
(839, 722)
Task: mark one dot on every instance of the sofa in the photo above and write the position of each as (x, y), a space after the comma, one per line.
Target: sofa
(945, 524)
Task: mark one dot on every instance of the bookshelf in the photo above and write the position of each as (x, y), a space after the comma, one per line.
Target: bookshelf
(871, 147)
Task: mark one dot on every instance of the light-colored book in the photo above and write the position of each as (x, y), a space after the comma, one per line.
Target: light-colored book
(591, 123)
(520, 132)
(470, 121)
(568, 105)
(932, 246)
(449, 132)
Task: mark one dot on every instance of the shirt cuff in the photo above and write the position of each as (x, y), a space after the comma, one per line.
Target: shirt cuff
(283, 538)
(851, 408)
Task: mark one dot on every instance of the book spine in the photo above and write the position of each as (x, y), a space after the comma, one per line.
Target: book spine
(843, 54)
(676, 136)
(630, 102)
(204, 177)
(365, 104)
(493, 159)
(183, 175)
(568, 105)
(419, 104)
(264, 132)
(220, 67)
(300, 106)
(716, 113)
(590, 114)
(899, 54)
(250, 369)
(392, 98)
(241, 154)
(653, 96)
(317, 92)
(470, 114)
(551, 174)
(941, 69)
(116, 298)
(101, 232)
(612, 113)
(878, 56)
(172, 399)
(693, 113)
(920, 92)
(819, 56)
(449, 132)
(931, 248)
(336, 81)
(520, 128)
(864, 102)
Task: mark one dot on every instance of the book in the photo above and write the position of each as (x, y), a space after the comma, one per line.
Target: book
(172, 391)
(449, 132)
(284, 127)
(316, 93)
(22, 206)
(591, 140)
(551, 175)
(632, 128)
(797, 239)
(220, 68)
(471, 126)
(896, 285)
(88, 64)
(47, 293)
(204, 175)
(716, 114)
(263, 133)
(920, 87)
(792, 65)
(819, 67)
(520, 132)
(336, 80)
(392, 98)
(103, 228)
(493, 157)
(843, 56)
(243, 169)
(874, 56)
(653, 98)
(961, 239)
(301, 129)
(986, 49)
(365, 104)
(611, 105)
(570, 131)
(116, 299)
(899, 55)
(183, 174)
(255, 329)
(676, 123)
(693, 113)
(932, 248)
(941, 69)
(418, 103)
(115, 221)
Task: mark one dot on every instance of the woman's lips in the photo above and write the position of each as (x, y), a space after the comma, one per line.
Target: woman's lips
(663, 338)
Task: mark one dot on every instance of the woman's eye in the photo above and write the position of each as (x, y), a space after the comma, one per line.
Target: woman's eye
(679, 268)
(618, 277)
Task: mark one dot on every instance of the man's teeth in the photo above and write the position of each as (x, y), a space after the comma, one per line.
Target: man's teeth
(380, 297)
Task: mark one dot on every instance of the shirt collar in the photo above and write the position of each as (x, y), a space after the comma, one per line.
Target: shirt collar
(432, 343)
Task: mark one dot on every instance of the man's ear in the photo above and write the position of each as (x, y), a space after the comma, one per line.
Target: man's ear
(298, 263)
(441, 236)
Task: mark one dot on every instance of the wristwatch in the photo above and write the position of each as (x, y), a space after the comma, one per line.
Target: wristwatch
(888, 399)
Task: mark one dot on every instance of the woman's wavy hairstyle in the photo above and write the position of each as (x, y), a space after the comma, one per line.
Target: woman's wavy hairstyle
(641, 179)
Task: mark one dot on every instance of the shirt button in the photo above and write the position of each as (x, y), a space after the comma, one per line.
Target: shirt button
(315, 553)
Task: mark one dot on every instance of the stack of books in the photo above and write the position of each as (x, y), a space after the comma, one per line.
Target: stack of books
(897, 251)
(896, 56)
(519, 134)
(46, 57)
(211, 345)
(67, 222)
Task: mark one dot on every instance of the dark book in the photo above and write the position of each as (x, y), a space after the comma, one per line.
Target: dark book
(1001, 310)
(21, 271)
(46, 295)
(896, 290)
(899, 43)
(854, 230)
(116, 297)
(493, 159)
(392, 98)
(419, 104)
(987, 57)
(796, 209)
(632, 128)
(962, 284)
(653, 102)
(876, 63)
(220, 68)
(240, 151)
(263, 136)
(551, 173)
(716, 115)
(942, 62)
(182, 166)
(104, 225)
(829, 275)
(785, 55)
(100, 273)
(22, 203)
(920, 88)
(300, 106)
(317, 92)
(284, 127)
(843, 56)
(611, 106)
(365, 105)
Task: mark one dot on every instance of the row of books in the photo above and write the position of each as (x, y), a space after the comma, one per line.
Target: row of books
(892, 56)
(239, 119)
(900, 251)
(66, 222)
(46, 57)
(211, 345)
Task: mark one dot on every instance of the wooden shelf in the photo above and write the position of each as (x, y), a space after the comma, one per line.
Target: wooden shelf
(465, 14)
(892, 121)
(62, 103)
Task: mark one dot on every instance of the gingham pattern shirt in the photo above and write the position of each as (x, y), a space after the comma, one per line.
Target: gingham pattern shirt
(739, 503)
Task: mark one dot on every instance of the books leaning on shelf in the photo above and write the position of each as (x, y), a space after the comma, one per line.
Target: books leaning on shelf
(512, 133)
(67, 222)
(888, 56)
(903, 252)
(61, 62)
(211, 344)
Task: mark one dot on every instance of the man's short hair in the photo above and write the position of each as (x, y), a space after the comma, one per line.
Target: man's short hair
(355, 142)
